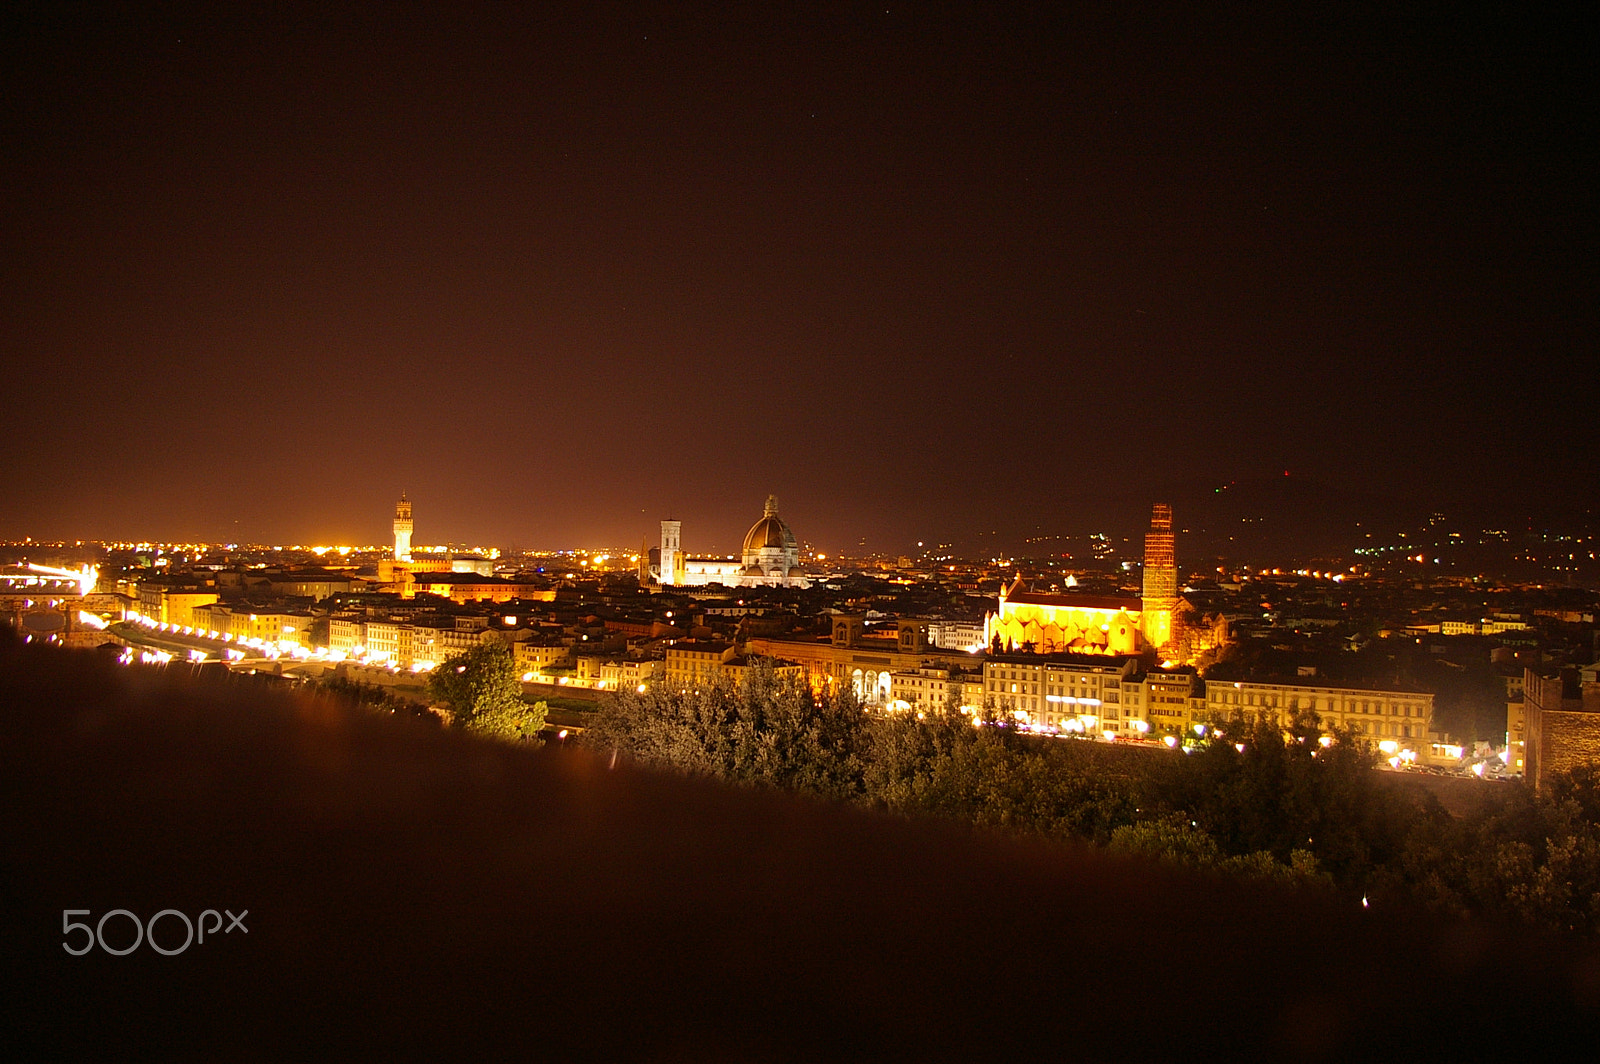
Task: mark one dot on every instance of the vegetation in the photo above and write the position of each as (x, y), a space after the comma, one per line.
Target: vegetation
(1181, 842)
(769, 731)
(1255, 799)
(377, 699)
(1530, 858)
(483, 693)
(518, 722)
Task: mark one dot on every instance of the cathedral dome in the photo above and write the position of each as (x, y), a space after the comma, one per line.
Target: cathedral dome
(770, 531)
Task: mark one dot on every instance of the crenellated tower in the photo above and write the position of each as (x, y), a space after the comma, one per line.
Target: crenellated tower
(402, 529)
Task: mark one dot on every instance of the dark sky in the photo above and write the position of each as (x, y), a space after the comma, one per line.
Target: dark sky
(920, 271)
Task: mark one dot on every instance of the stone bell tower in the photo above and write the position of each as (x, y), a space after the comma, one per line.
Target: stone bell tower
(402, 529)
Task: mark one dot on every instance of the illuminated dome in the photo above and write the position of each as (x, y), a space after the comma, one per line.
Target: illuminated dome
(770, 532)
(771, 558)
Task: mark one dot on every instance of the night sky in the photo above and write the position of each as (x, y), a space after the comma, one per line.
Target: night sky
(922, 272)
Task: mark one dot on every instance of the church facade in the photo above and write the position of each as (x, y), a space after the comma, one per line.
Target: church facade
(1065, 624)
(1085, 624)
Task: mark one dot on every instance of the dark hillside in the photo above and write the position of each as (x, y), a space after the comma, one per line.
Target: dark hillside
(416, 894)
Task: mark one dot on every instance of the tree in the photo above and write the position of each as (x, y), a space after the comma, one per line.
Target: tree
(1529, 857)
(483, 693)
(516, 723)
(1178, 841)
(368, 696)
(1260, 785)
(907, 753)
(768, 730)
(1580, 785)
(1170, 838)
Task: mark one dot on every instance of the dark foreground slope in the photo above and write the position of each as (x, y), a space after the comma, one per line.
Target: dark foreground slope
(415, 894)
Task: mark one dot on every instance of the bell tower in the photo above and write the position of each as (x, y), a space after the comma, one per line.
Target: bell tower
(1160, 577)
(402, 529)
(671, 559)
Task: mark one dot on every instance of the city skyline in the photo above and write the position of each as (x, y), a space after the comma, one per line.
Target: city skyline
(925, 273)
(1283, 523)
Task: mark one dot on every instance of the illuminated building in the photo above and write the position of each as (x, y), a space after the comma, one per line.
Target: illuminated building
(1516, 737)
(624, 674)
(444, 560)
(211, 617)
(1041, 623)
(273, 626)
(957, 635)
(535, 657)
(384, 643)
(261, 623)
(930, 687)
(432, 644)
(472, 563)
(671, 568)
(771, 552)
(404, 573)
(402, 529)
(166, 604)
(1064, 692)
(866, 664)
(770, 558)
(395, 572)
(347, 636)
(470, 587)
(1166, 699)
(1381, 717)
(1486, 626)
(418, 644)
(1068, 693)
(691, 661)
(1160, 597)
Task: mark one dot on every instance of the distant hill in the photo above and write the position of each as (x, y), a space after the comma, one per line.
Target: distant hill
(1284, 518)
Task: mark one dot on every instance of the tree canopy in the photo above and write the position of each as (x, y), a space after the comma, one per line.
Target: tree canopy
(483, 692)
(1256, 798)
(768, 730)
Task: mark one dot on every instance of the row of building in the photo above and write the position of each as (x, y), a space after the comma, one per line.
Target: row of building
(1056, 660)
(1109, 694)
(1117, 696)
